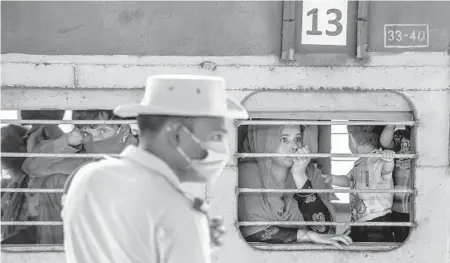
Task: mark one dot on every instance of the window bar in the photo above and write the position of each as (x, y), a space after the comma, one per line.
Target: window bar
(61, 155)
(265, 190)
(69, 121)
(31, 190)
(13, 248)
(32, 223)
(241, 223)
(237, 155)
(319, 155)
(298, 122)
(321, 223)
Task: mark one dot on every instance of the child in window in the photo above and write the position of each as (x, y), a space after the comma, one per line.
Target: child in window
(368, 173)
(399, 141)
(48, 173)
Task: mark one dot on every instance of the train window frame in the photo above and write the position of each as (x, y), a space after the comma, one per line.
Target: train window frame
(312, 115)
(60, 248)
(19, 248)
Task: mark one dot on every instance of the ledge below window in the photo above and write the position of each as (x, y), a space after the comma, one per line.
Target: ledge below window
(360, 246)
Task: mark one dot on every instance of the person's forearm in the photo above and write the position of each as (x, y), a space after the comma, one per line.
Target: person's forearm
(341, 180)
(274, 234)
(388, 167)
(300, 180)
(386, 136)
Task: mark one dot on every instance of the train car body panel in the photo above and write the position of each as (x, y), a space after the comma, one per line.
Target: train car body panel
(180, 29)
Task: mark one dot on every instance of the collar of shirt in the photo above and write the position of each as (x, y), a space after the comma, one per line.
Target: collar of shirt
(150, 161)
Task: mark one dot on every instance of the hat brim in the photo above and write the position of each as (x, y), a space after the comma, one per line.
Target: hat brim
(234, 111)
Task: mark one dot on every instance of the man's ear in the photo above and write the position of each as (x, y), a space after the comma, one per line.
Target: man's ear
(172, 131)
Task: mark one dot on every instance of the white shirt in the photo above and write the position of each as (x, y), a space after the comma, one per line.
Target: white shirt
(128, 210)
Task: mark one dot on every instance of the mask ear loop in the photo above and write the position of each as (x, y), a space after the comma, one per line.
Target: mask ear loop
(185, 156)
(126, 132)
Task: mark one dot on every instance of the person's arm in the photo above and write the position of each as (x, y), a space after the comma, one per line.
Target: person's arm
(387, 136)
(388, 165)
(313, 209)
(340, 180)
(276, 234)
(39, 166)
(298, 236)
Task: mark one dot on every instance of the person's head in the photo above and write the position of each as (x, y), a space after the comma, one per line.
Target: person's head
(13, 140)
(183, 141)
(102, 138)
(42, 114)
(362, 139)
(290, 140)
(275, 139)
(181, 119)
(96, 132)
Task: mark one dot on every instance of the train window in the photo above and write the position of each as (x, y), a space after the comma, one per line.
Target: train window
(31, 189)
(326, 163)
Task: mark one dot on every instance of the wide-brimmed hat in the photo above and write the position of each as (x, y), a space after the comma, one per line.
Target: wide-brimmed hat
(185, 95)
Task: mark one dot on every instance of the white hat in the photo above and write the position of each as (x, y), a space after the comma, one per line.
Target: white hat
(184, 95)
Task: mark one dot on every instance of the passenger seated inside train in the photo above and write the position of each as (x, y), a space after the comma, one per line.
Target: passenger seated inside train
(368, 173)
(399, 141)
(51, 173)
(22, 139)
(283, 173)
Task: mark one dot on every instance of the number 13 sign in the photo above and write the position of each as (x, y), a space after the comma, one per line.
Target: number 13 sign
(324, 22)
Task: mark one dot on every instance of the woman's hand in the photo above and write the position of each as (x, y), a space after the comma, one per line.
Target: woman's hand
(388, 156)
(300, 163)
(329, 239)
(299, 167)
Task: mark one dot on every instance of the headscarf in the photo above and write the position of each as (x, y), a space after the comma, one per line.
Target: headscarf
(255, 173)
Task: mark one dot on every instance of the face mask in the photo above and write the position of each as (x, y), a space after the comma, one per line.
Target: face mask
(112, 145)
(216, 158)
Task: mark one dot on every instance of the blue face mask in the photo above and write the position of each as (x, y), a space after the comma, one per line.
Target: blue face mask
(210, 167)
(111, 145)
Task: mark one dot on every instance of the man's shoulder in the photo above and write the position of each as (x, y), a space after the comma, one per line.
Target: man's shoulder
(98, 171)
(107, 165)
(112, 173)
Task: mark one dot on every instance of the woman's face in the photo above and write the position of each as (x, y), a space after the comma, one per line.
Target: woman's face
(289, 142)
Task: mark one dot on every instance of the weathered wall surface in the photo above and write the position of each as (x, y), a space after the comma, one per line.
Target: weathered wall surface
(141, 28)
(193, 28)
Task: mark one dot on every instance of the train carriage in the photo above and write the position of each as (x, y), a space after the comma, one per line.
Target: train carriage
(324, 64)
